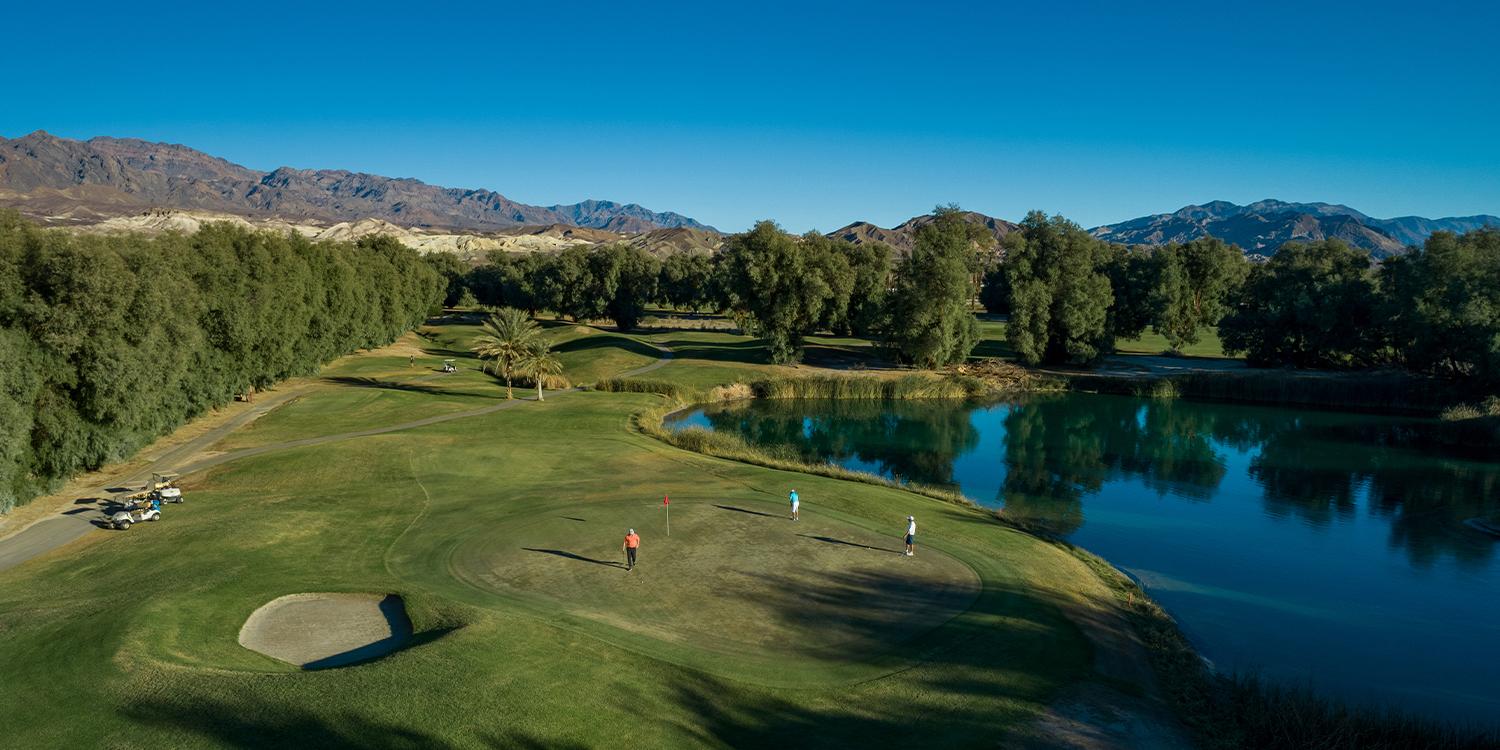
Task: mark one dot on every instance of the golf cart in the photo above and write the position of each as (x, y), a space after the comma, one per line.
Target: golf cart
(163, 488)
(134, 509)
(448, 366)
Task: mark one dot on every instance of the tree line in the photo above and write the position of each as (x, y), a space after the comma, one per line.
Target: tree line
(108, 342)
(1068, 296)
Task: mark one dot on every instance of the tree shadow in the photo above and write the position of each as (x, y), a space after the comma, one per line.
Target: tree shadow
(388, 385)
(591, 343)
(746, 510)
(575, 556)
(831, 540)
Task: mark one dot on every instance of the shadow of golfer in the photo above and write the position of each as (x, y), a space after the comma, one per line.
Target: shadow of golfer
(572, 556)
(831, 540)
(744, 510)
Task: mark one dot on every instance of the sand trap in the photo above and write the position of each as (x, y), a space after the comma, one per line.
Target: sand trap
(317, 631)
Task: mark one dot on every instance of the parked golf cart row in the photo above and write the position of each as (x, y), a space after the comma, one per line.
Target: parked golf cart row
(143, 503)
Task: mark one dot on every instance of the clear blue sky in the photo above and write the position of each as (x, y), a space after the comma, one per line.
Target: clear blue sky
(813, 114)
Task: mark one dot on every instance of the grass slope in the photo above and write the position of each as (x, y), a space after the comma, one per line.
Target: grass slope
(742, 629)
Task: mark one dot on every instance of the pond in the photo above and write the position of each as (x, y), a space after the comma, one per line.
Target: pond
(1315, 548)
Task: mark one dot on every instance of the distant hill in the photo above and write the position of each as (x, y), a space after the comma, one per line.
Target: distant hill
(1263, 226)
(60, 180)
(903, 236)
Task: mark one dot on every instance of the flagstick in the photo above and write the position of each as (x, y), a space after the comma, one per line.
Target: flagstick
(669, 519)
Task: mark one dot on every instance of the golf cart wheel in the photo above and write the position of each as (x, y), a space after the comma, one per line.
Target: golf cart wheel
(122, 525)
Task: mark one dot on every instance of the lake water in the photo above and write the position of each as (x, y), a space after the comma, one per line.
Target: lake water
(1322, 549)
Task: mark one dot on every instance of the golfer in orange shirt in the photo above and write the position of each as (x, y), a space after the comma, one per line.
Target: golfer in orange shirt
(632, 543)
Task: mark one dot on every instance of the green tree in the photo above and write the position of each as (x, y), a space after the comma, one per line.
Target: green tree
(506, 339)
(829, 260)
(686, 281)
(624, 281)
(872, 266)
(930, 321)
(1444, 305)
(773, 287)
(1059, 296)
(1195, 282)
(1310, 305)
(454, 272)
(1134, 276)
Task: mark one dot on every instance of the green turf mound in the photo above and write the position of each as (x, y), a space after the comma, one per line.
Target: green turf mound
(319, 631)
(733, 577)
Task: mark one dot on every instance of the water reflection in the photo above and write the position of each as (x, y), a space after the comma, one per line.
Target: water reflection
(1312, 468)
(908, 440)
(1248, 523)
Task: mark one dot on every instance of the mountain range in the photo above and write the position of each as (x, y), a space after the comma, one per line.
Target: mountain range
(103, 177)
(126, 184)
(1263, 226)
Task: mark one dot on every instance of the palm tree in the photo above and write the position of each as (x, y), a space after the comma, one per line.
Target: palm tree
(538, 363)
(506, 338)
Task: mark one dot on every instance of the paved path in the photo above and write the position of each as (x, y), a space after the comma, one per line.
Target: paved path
(54, 531)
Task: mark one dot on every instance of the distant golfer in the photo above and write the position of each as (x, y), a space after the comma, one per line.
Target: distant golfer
(911, 536)
(795, 503)
(632, 543)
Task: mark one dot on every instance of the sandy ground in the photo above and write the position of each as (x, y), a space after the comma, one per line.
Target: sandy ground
(327, 630)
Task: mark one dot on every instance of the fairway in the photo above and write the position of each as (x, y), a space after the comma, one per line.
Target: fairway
(736, 578)
(500, 530)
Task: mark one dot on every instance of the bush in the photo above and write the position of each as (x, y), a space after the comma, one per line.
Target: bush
(639, 385)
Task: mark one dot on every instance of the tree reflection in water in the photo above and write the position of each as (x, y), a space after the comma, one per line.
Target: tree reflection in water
(1312, 467)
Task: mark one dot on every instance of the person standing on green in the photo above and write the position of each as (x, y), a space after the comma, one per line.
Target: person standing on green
(632, 543)
(911, 536)
(795, 503)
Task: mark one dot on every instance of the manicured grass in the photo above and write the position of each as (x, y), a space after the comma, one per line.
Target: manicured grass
(740, 630)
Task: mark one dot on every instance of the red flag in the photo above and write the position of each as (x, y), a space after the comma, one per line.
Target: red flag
(665, 500)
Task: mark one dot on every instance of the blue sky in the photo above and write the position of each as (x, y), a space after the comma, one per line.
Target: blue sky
(813, 114)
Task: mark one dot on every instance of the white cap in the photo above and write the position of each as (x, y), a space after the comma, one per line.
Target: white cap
(911, 518)
(630, 531)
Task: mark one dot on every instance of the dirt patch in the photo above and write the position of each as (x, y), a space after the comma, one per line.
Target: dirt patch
(318, 631)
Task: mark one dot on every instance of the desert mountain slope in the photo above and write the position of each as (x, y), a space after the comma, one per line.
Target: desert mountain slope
(1265, 225)
(121, 176)
(903, 236)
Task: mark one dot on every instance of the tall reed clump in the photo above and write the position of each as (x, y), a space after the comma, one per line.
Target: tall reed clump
(640, 385)
(870, 388)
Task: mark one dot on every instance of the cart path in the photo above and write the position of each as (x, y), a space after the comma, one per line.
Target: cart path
(77, 520)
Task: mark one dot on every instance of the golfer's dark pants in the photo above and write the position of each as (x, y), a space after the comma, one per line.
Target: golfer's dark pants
(630, 557)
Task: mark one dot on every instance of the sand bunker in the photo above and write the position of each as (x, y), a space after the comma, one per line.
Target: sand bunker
(317, 631)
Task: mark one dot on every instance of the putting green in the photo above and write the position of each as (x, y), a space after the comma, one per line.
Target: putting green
(734, 577)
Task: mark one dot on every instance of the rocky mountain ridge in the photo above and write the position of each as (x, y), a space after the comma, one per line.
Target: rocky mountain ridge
(108, 177)
(1265, 225)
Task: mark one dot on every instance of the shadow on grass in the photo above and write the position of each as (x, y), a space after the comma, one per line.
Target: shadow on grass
(388, 385)
(575, 556)
(831, 540)
(746, 510)
(750, 352)
(252, 724)
(596, 341)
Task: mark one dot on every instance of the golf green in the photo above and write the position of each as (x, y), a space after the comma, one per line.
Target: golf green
(816, 588)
